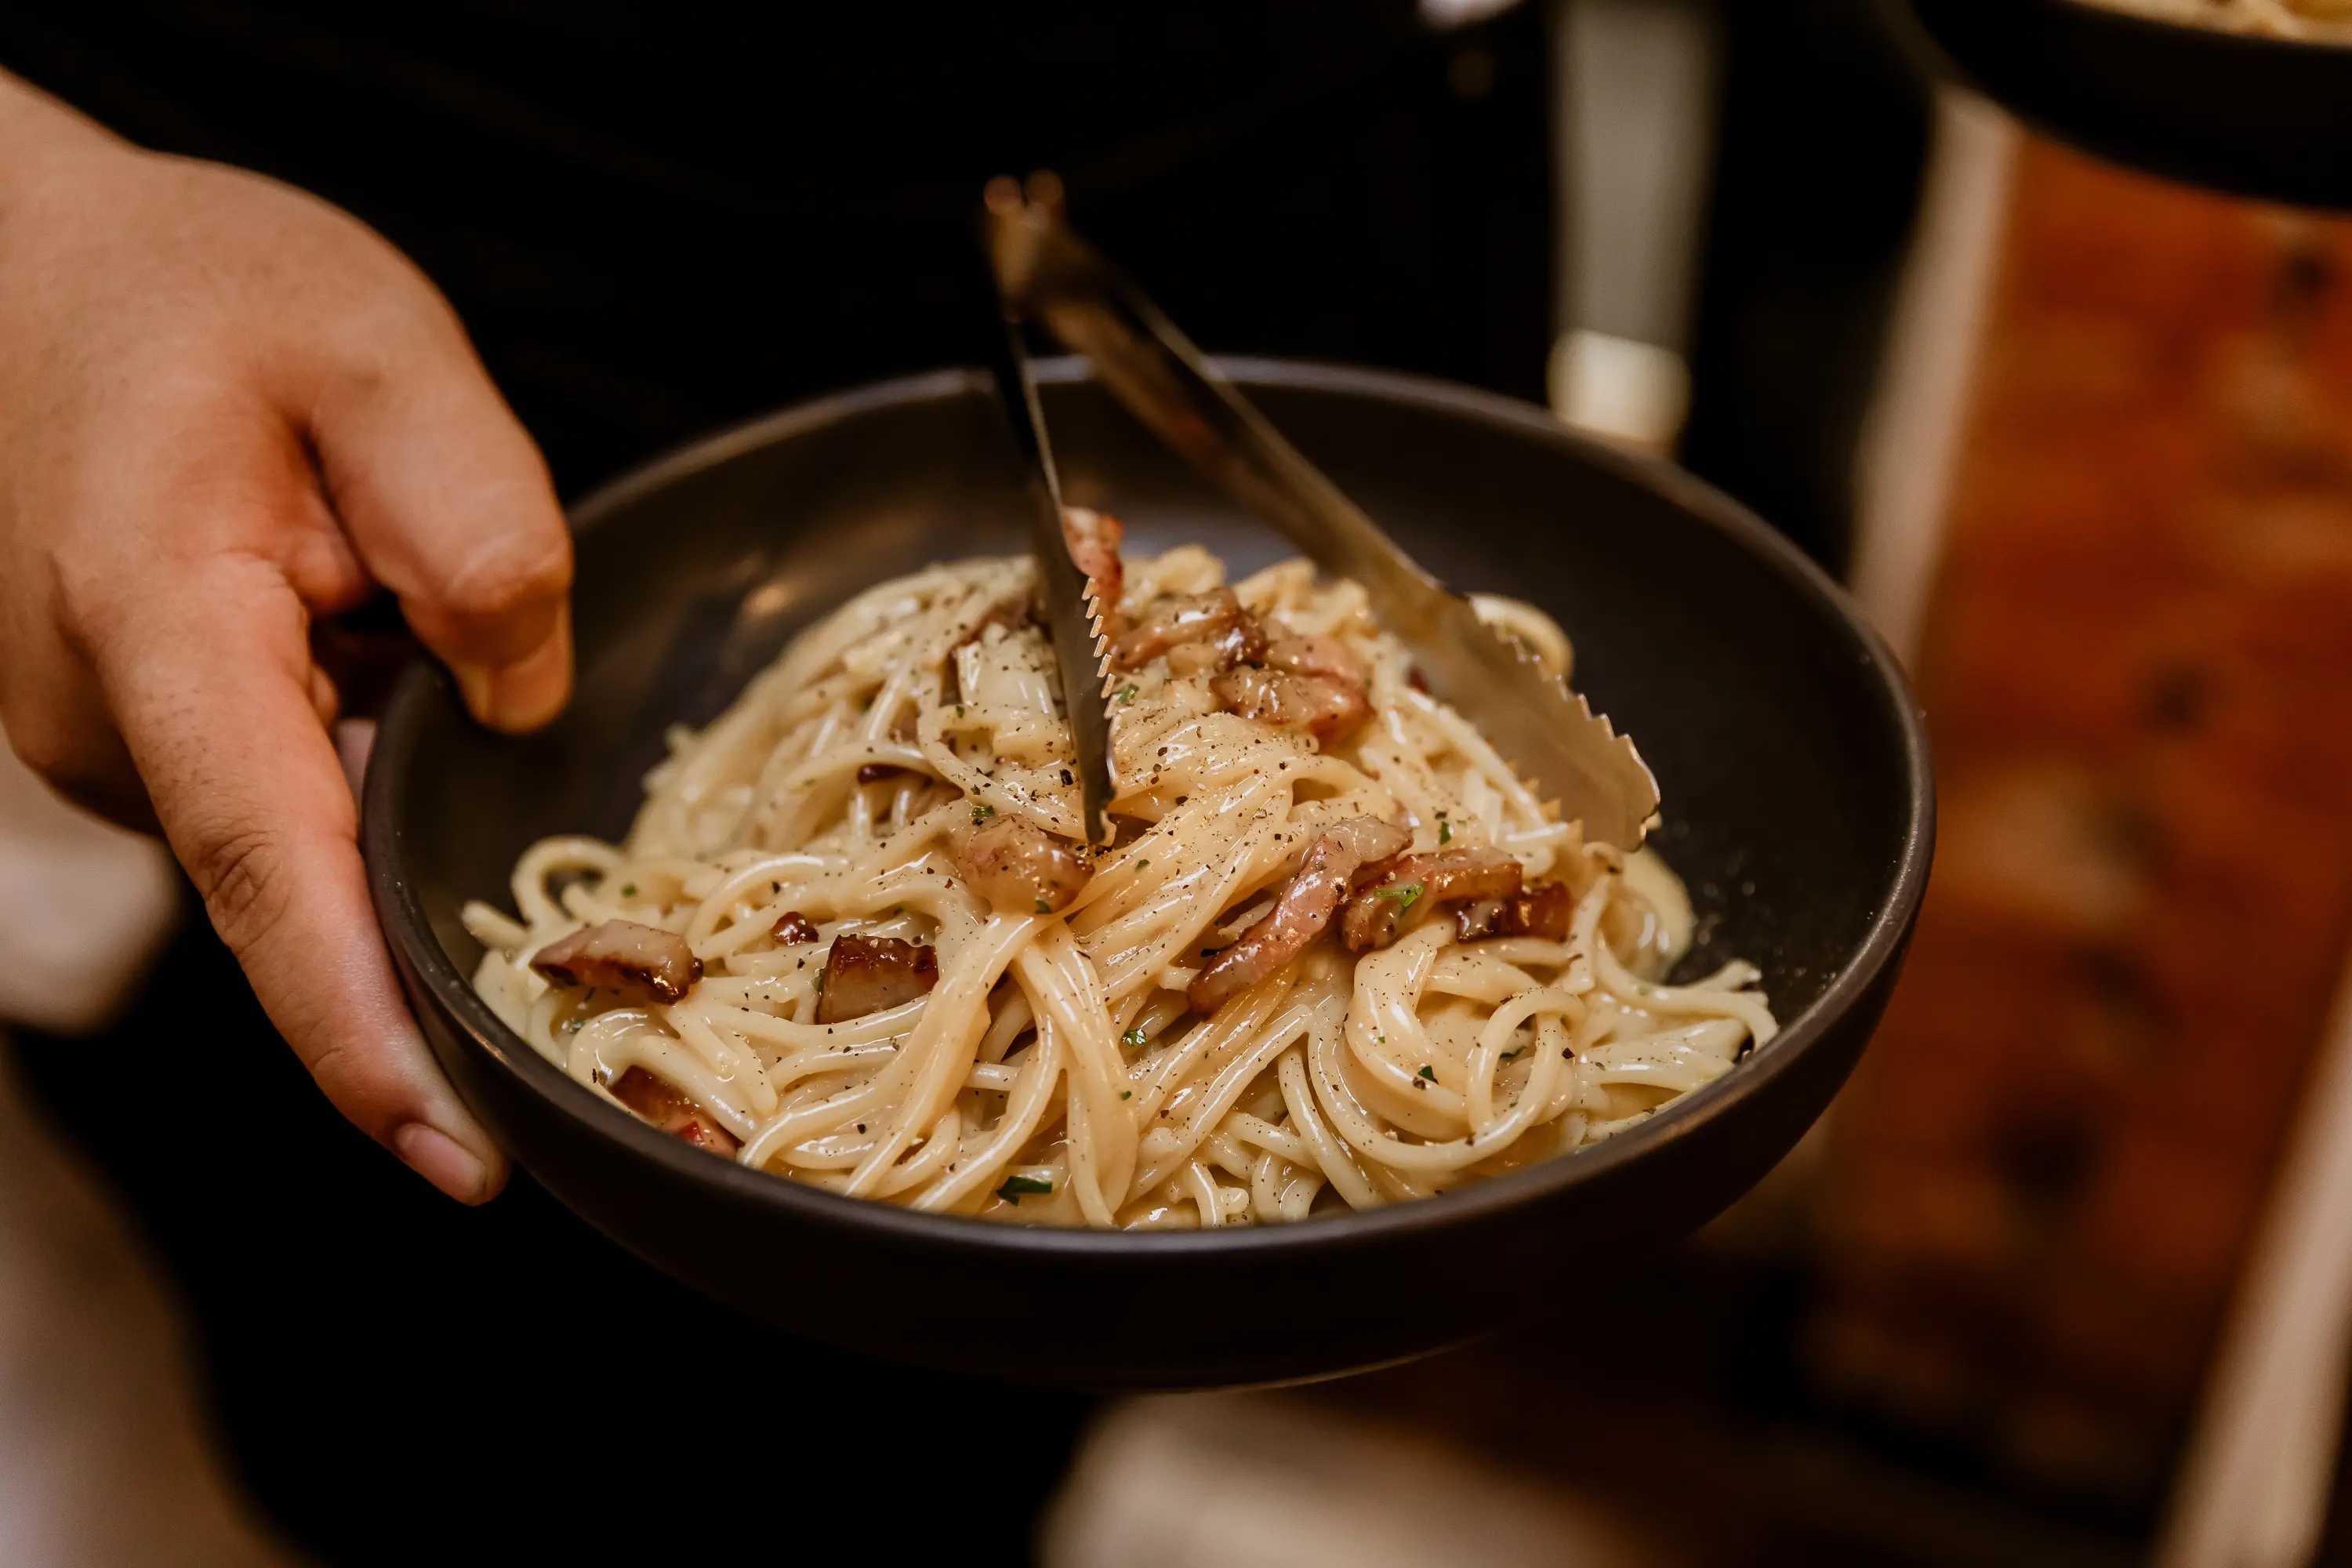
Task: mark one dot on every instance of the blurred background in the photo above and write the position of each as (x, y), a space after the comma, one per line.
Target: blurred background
(2064, 1278)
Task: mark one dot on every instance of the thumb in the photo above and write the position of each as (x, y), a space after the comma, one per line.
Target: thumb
(448, 504)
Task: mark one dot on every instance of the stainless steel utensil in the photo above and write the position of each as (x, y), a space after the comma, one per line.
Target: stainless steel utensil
(1074, 619)
(1545, 730)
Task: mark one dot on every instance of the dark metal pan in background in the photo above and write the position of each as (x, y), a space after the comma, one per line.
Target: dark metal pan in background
(2262, 117)
(1797, 807)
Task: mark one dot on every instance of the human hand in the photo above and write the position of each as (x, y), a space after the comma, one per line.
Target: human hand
(227, 408)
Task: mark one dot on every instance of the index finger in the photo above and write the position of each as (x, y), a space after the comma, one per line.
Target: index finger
(246, 784)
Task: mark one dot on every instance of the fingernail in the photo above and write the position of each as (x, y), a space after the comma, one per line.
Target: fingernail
(442, 1161)
(526, 693)
(474, 686)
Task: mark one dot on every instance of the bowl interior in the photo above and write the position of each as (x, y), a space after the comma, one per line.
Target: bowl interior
(1787, 748)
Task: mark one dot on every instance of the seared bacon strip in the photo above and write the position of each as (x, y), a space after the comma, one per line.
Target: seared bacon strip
(1311, 683)
(1300, 914)
(1314, 653)
(1094, 537)
(869, 973)
(653, 1098)
(1019, 866)
(645, 964)
(1196, 631)
(1394, 887)
(793, 928)
(1325, 706)
(1543, 910)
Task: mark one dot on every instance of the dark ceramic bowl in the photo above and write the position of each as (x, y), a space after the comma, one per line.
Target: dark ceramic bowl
(2257, 116)
(1798, 800)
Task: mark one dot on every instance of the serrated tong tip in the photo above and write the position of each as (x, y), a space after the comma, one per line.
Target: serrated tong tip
(1073, 613)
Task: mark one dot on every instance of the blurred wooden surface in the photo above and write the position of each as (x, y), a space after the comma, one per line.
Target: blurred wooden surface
(2137, 670)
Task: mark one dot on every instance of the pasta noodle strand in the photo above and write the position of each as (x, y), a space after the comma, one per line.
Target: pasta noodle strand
(1056, 1069)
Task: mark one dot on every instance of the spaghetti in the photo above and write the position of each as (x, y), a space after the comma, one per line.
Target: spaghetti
(1337, 957)
(2316, 21)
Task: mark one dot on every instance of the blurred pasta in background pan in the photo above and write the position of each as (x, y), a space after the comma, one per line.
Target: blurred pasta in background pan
(2326, 21)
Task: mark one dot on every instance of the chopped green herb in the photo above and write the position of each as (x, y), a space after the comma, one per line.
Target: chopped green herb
(982, 813)
(1126, 1094)
(820, 981)
(1014, 1187)
(1514, 1053)
(1428, 1072)
(1143, 864)
(959, 709)
(1044, 907)
(628, 889)
(1134, 1037)
(1126, 694)
(1406, 896)
(1444, 831)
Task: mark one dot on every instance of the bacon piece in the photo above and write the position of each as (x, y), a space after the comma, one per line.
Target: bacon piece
(653, 1098)
(793, 928)
(1300, 914)
(646, 964)
(1543, 910)
(1315, 653)
(1212, 630)
(1094, 537)
(868, 974)
(1019, 866)
(1311, 683)
(1393, 887)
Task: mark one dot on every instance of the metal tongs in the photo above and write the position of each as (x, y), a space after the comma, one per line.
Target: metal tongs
(1073, 617)
(1046, 274)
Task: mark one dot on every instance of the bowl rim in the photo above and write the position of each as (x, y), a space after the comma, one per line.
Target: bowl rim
(2225, 150)
(2214, 44)
(407, 929)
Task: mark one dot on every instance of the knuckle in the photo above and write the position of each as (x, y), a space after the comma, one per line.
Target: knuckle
(344, 1078)
(507, 575)
(87, 599)
(232, 870)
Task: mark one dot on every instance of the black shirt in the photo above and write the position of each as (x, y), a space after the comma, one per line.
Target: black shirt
(655, 219)
(659, 218)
